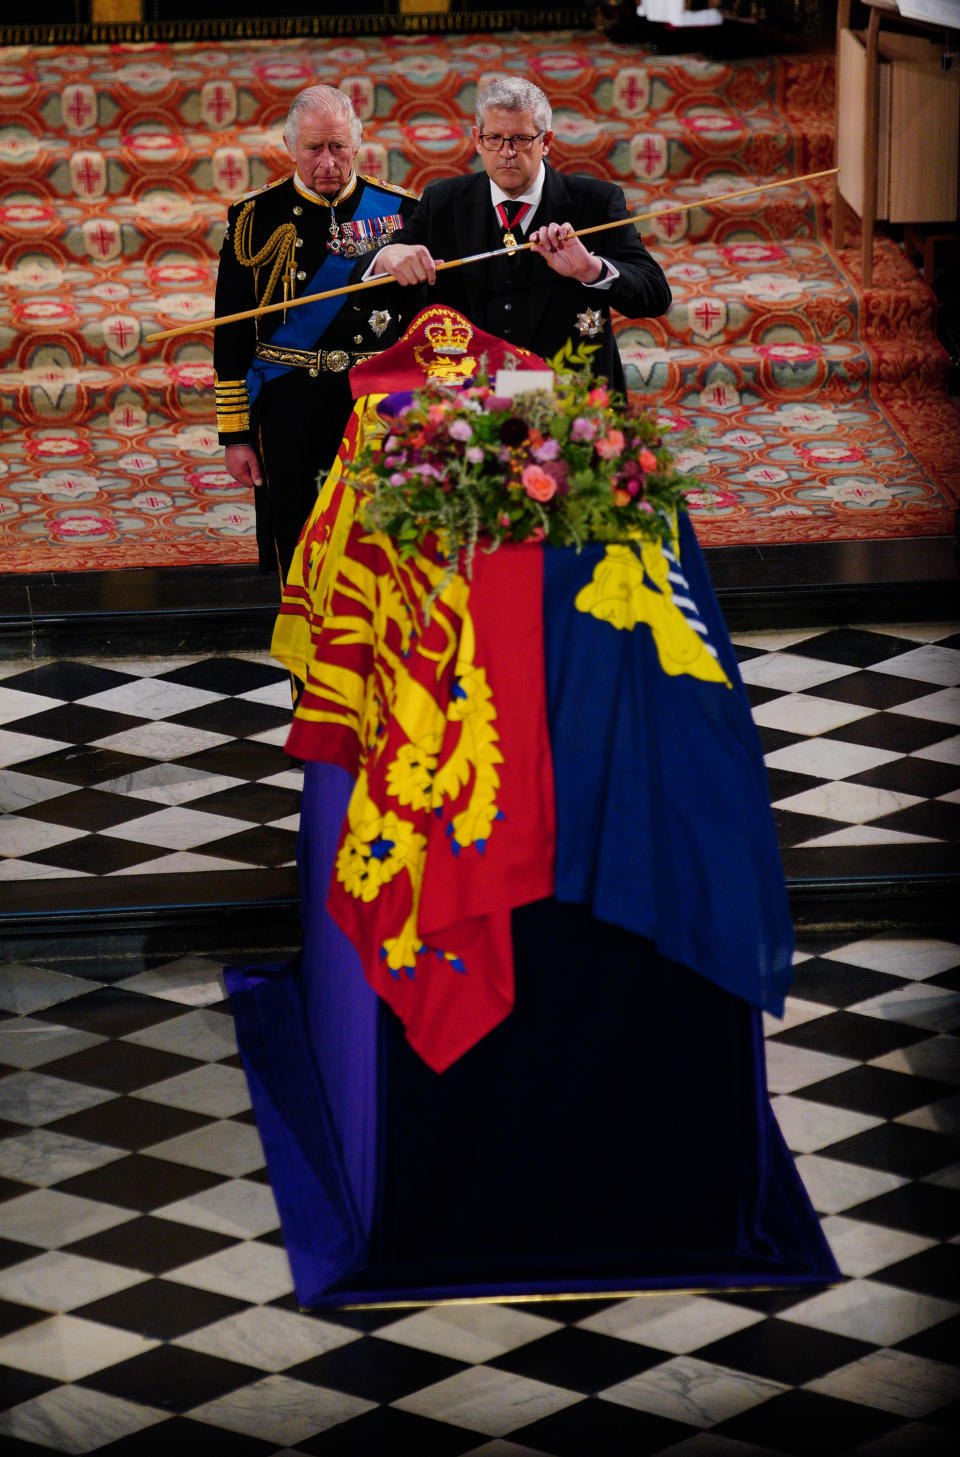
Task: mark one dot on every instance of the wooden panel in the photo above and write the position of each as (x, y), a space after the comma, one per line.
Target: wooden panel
(924, 131)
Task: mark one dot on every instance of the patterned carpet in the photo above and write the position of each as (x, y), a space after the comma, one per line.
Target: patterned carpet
(822, 407)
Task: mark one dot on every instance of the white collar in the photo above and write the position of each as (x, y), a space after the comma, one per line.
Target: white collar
(532, 195)
(341, 196)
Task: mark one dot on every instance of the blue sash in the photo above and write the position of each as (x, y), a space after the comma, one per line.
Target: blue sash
(304, 327)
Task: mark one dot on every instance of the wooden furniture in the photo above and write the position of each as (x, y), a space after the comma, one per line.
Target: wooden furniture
(898, 125)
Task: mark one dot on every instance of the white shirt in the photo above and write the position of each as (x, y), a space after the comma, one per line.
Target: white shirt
(533, 195)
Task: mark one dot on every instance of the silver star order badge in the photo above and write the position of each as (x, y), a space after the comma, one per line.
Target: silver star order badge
(590, 323)
(379, 321)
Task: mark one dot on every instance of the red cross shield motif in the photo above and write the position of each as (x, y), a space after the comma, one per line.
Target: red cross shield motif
(88, 174)
(102, 238)
(79, 105)
(230, 170)
(121, 334)
(372, 161)
(360, 91)
(631, 91)
(648, 155)
(707, 317)
(218, 103)
(668, 227)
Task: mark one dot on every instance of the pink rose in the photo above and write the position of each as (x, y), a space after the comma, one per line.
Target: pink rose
(461, 430)
(611, 446)
(599, 397)
(583, 429)
(537, 484)
(648, 460)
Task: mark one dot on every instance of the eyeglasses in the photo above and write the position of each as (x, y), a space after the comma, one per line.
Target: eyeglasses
(494, 142)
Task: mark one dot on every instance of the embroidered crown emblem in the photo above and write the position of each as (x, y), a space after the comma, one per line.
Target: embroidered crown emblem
(446, 337)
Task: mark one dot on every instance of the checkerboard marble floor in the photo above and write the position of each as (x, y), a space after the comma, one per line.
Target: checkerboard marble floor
(145, 1296)
(146, 1300)
(160, 766)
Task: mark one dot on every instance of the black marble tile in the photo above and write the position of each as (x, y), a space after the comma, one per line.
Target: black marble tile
(67, 679)
(266, 845)
(937, 1343)
(180, 1434)
(161, 1310)
(151, 1244)
(568, 1310)
(129, 1123)
(387, 1430)
(234, 716)
(76, 723)
(934, 817)
(935, 1271)
(601, 1429)
(578, 1360)
(878, 1091)
(924, 1209)
(782, 1350)
(15, 1317)
(897, 1149)
(910, 775)
(140, 1182)
(171, 1378)
(869, 690)
(241, 759)
(97, 854)
(123, 1067)
(89, 809)
(226, 675)
(856, 647)
(20, 1386)
(110, 1011)
(376, 1370)
(83, 764)
(793, 828)
(772, 738)
(848, 1034)
(784, 782)
(13, 1251)
(260, 803)
(835, 984)
(894, 731)
(806, 1422)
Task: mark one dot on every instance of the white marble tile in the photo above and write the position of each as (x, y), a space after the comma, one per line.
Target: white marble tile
(159, 740)
(863, 835)
(14, 703)
(912, 957)
(238, 1207)
(290, 822)
(35, 1098)
(795, 1013)
(711, 1444)
(267, 1338)
(193, 981)
(791, 672)
(828, 758)
(21, 836)
(862, 1249)
(277, 736)
(468, 1332)
(14, 747)
(276, 694)
(169, 783)
(58, 1281)
(940, 1117)
(177, 828)
(148, 698)
(697, 1392)
(952, 798)
(914, 631)
(940, 707)
(776, 640)
(908, 1386)
(936, 1058)
(74, 1419)
(218, 1091)
(934, 1008)
(50, 1218)
(232, 1149)
(44, 1157)
(834, 1186)
(484, 1400)
(790, 1068)
(286, 779)
(929, 664)
(67, 1348)
(804, 713)
(808, 1126)
(181, 862)
(253, 1272)
(866, 1310)
(503, 1447)
(27, 1042)
(202, 1034)
(14, 869)
(675, 1323)
(20, 791)
(850, 803)
(946, 751)
(280, 1409)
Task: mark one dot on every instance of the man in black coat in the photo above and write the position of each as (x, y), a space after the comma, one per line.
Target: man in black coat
(558, 290)
(282, 386)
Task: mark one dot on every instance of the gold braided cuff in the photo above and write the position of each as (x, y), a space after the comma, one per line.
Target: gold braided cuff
(233, 406)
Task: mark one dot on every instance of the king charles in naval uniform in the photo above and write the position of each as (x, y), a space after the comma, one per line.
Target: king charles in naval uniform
(282, 388)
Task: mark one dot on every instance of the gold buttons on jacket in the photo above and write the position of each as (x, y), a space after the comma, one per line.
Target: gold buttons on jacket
(297, 211)
(301, 274)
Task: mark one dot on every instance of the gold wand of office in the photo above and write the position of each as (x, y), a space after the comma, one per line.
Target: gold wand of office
(382, 278)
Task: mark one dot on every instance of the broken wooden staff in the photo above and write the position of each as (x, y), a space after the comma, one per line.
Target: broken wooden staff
(382, 278)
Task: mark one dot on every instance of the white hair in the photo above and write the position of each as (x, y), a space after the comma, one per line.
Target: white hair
(512, 93)
(321, 98)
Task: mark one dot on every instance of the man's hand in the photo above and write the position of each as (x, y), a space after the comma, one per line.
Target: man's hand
(242, 463)
(564, 253)
(408, 263)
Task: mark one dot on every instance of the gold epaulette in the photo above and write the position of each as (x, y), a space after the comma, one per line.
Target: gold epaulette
(388, 187)
(233, 405)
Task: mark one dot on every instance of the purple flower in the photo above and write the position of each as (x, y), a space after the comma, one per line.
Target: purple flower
(398, 479)
(474, 454)
(461, 430)
(583, 429)
(549, 450)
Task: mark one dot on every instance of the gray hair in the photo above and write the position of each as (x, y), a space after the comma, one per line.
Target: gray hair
(321, 98)
(512, 93)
